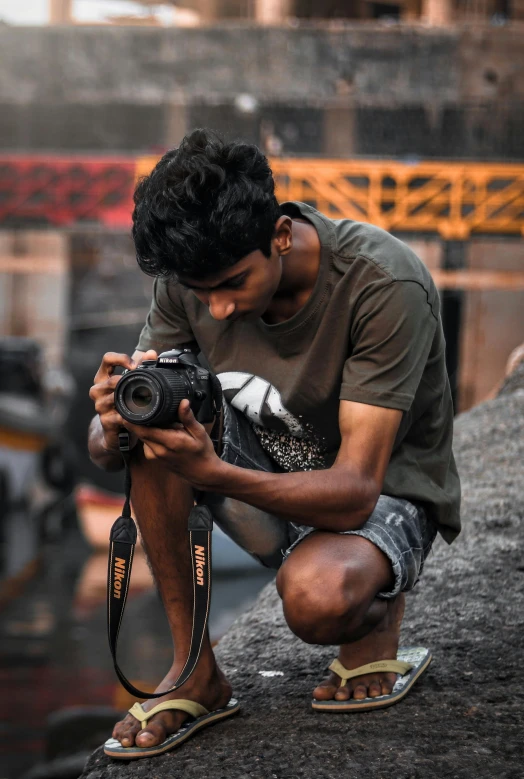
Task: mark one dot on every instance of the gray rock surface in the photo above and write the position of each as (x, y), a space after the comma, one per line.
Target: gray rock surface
(463, 719)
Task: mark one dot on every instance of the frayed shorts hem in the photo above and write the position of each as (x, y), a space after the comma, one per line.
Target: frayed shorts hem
(402, 532)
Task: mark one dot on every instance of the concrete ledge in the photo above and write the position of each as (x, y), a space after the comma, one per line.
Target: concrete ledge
(463, 719)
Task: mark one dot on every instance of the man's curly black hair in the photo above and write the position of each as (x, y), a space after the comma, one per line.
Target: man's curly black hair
(204, 207)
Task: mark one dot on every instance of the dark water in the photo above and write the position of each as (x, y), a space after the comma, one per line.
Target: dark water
(53, 649)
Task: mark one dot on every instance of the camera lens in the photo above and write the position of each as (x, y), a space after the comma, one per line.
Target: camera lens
(141, 397)
(138, 398)
(151, 396)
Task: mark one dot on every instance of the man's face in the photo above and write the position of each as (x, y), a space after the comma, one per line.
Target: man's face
(243, 291)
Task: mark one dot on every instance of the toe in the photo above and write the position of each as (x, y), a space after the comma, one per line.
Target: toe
(326, 690)
(126, 730)
(387, 684)
(370, 686)
(342, 694)
(151, 736)
(360, 692)
(375, 689)
(159, 727)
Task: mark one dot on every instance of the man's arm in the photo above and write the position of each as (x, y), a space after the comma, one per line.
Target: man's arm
(339, 498)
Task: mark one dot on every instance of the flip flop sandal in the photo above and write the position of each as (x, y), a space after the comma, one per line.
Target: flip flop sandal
(411, 662)
(202, 718)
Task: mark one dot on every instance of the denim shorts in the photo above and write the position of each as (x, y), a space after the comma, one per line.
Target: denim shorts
(400, 529)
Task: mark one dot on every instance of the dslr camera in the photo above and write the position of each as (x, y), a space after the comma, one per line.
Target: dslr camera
(151, 394)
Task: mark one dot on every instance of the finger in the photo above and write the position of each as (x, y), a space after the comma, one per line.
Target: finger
(154, 435)
(149, 453)
(111, 414)
(150, 355)
(104, 403)
(104, 388)
(110, 361)
(188, 419)
(139, 357)
(104, 400)
(154, 451)
(110, 421)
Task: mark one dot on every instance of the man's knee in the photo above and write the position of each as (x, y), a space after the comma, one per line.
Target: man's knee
(318, 601)
(328, 583)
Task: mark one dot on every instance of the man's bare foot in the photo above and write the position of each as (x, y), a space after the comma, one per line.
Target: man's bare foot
(380, 644)
(207, 686)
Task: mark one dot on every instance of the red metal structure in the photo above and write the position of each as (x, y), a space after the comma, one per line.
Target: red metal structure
(64, 191)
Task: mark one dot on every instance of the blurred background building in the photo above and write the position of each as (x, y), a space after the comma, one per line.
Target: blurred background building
(280, 11)
(105, 83)
(407, 114)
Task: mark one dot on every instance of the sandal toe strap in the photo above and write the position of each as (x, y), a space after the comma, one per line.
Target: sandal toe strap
(192, 708)
(380, 666)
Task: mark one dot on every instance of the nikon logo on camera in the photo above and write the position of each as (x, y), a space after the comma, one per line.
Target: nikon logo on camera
(119, 573)
(200, 561)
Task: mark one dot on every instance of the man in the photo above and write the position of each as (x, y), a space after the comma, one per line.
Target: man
(336, 467)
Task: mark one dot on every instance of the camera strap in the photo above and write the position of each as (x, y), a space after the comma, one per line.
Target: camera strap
(122, 546)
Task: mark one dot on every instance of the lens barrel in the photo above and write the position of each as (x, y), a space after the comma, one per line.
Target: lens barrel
(151, 396)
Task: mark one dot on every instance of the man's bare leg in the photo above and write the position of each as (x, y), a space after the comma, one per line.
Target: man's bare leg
(162, 502)
(329, 585)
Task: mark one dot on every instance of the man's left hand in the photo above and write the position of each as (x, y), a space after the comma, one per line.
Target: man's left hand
(185, 448)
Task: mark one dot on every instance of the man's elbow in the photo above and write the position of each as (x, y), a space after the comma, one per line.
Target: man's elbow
(360, 507)
(109, 463)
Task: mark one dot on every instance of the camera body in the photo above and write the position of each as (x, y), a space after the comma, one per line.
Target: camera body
(151, 394)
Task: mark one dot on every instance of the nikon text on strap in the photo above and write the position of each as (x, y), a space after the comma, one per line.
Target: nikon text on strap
(122, 546)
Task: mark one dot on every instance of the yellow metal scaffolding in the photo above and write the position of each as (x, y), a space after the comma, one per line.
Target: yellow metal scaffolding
(450, 198)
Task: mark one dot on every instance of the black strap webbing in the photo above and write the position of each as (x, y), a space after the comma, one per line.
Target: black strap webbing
(122, 546)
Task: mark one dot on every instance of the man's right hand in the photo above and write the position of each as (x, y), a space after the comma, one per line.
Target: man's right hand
(102, 393)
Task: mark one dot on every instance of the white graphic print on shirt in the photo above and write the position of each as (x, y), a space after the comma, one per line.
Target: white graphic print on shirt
(250, 395)
(293, 446)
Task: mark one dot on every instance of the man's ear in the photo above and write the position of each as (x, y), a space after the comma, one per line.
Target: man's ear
(283, 237)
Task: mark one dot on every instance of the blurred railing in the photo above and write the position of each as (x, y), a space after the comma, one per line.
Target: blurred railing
(66, 191)
(452, 199)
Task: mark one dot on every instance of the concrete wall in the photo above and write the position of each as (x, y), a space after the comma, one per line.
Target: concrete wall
(492, 320)
(361, 89)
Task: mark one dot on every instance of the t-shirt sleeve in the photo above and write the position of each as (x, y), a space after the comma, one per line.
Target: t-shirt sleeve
(391, 337)
(167, 325)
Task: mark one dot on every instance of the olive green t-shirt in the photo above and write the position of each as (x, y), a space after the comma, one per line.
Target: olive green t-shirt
(370, 332)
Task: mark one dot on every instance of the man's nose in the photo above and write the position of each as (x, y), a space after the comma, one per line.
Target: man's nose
(220, 307)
